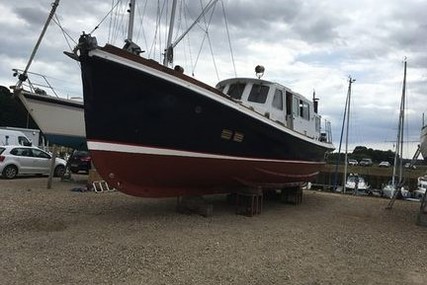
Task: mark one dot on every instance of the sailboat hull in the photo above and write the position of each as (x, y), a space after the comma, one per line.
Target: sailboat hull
(154, 132)
(60, 120)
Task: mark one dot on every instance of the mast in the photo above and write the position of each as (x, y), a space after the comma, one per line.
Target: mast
(339, 148)
(170, 46)
(399, 144)
(169, 49)
(350, 81)
(22, 77)
(131, 19)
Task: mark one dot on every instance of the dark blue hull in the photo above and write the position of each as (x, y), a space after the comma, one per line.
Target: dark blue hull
(154, 112)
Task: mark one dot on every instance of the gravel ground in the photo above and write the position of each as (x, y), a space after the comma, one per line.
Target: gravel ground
(57, 236)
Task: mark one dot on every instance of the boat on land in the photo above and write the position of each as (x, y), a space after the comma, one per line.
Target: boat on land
(61, 120)
(155, 132)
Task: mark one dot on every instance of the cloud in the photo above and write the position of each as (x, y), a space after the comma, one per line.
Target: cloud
(303, 45)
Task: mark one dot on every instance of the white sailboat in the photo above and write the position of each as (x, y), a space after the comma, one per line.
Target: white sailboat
(61, 120)
(423, 139)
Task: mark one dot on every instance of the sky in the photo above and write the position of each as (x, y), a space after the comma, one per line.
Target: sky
(305, 45)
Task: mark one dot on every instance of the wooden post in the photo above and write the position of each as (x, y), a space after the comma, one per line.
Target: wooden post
(52, 168)
(422, 215)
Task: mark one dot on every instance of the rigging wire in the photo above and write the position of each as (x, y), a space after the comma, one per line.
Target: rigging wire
(66, 36)
(121, 24)
(206, 35)
(186, 13)
(110, 24)
(187, 43)
(64, 33)
(141, 26)
(97, 26)
(157, 40)
(229, 38)
(153, 43)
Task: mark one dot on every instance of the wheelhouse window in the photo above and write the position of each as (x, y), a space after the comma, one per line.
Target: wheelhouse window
(221, 88)
(301, 108)
(304, 109)
(295, 109)
(305, 112)
(278, 99)
(258, 93)
(317, 124)
(236, 90)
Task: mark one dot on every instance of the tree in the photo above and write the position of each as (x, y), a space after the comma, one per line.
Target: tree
(13, 112)
(361, 152)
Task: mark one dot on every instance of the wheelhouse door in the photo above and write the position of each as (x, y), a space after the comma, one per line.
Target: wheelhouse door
(277, 107)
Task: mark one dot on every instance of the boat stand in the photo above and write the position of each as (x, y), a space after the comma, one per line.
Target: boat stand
(193, 204)
(249, 201)
(422, 215)
(291, 195)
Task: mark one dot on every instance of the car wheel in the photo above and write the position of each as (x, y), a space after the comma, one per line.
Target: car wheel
(10, 171)
(59, 171)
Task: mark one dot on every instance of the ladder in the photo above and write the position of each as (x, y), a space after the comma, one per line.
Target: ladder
(101, 186)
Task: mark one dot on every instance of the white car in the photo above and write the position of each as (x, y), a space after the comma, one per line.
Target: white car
(384, 164)
(25, 160)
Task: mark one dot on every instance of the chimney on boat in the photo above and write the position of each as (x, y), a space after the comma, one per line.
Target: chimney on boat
(315, 102)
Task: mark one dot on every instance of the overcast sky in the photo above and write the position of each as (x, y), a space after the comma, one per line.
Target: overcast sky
(303, 44)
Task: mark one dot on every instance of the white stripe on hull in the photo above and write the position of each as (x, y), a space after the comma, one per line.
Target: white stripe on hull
(123, 148)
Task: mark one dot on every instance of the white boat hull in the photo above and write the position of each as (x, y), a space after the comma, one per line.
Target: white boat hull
(60, 120)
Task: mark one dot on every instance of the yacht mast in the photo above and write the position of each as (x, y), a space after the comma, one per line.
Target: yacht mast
(22, 77)
(399, 144)
(131, 19)
(350, 81)
(170, 46)
(169, 49)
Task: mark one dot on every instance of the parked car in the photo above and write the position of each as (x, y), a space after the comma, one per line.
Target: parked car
(80, 161)
(384, 164)
(409, 165)
(351, 161)
(12, 137)
(366, 162)
(26, 160)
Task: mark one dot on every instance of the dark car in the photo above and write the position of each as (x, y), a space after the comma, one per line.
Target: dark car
(80, 161)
